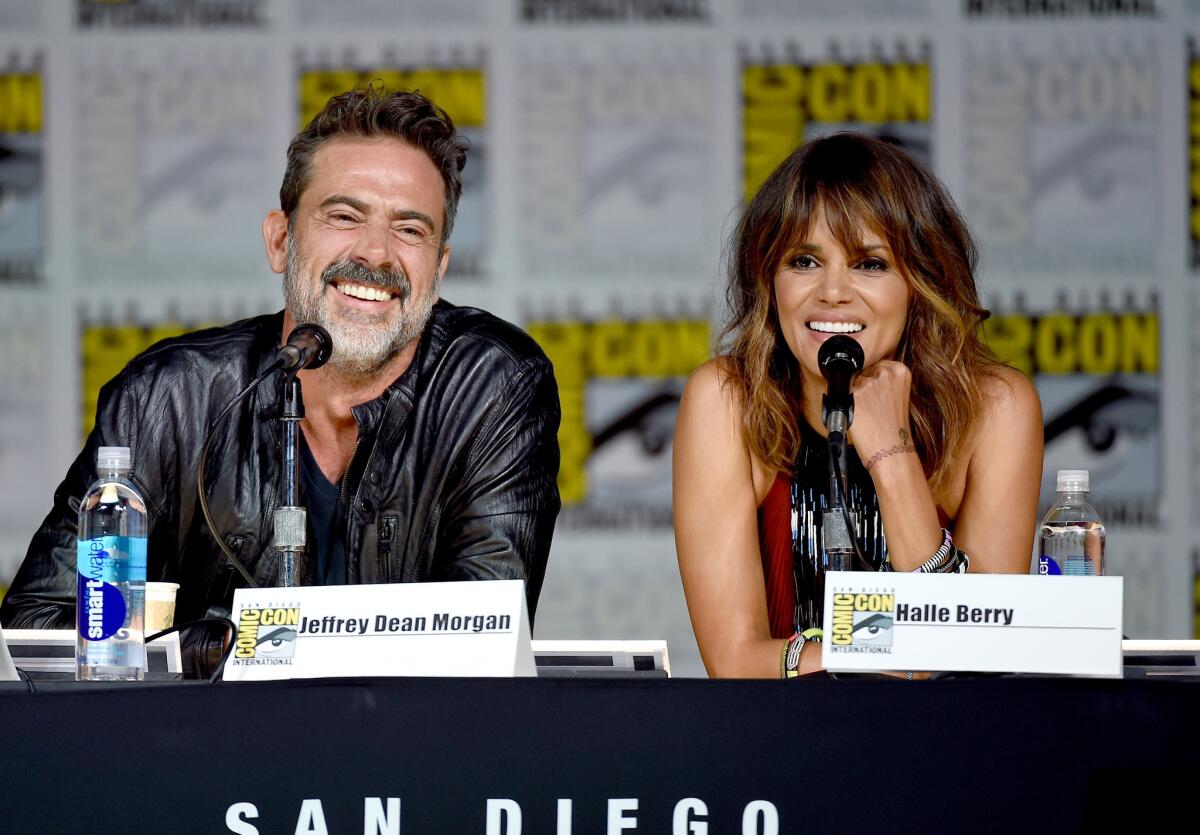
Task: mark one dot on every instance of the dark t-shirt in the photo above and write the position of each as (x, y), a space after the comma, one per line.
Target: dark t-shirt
(327, 518)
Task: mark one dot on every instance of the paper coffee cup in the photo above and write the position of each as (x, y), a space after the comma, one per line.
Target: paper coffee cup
(160, 606)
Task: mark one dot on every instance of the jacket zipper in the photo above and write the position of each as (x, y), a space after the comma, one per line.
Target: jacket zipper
(387, 533)
(346, 486)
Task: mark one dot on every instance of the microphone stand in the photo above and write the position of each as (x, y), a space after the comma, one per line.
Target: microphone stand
(308, 346)
(291, 519)
(835, 537)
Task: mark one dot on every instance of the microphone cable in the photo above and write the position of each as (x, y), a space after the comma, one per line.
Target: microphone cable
(844, 500)
(200, 466)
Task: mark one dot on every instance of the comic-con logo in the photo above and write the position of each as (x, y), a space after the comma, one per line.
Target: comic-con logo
(267, 634)
(787, 100)
(619, 383)
(21, 166)
(863, 619)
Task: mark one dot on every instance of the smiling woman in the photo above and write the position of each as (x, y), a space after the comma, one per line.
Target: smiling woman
(852, 236)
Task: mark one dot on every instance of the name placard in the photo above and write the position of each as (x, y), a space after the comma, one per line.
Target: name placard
(403, 629)
(1005, 623)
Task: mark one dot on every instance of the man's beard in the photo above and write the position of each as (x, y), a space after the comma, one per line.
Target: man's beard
(363, 342)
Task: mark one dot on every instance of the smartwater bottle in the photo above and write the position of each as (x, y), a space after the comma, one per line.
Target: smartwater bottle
(1071, 541)
(111, 563)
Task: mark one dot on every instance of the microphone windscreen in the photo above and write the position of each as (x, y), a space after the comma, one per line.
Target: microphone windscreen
(840, 349)
(313, 344)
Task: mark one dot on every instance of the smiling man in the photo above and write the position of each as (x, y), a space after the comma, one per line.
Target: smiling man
(429, 441)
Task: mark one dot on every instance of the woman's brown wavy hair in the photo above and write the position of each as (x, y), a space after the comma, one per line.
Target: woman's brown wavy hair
(856, 180)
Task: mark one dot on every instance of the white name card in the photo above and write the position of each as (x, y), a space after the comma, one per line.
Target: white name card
(404, 629)
(1004, 623)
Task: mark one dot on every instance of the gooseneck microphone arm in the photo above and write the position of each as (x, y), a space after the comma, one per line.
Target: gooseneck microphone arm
(308, 346)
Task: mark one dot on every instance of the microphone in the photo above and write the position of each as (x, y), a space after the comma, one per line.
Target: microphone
(840, 358)
(308, 346)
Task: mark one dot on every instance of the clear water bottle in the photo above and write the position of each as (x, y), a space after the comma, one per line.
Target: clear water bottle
(111, 563)
(1071, 541)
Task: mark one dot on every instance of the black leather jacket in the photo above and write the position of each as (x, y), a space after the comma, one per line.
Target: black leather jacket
(453, 478)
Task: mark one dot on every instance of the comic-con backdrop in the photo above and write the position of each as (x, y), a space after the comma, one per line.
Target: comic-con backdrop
(612, 144)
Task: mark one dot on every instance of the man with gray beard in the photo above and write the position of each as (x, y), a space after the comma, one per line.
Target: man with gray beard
(429, 440)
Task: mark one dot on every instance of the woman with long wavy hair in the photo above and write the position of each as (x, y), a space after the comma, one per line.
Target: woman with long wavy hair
(850, 235)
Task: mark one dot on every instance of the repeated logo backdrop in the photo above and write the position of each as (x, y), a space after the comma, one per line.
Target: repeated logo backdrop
(454, 77)
(1063, 137)
(789, 97)
(172, 161)
(22, 204)
(612, 143)
(616, 149)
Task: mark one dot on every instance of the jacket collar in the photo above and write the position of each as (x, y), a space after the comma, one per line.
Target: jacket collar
(429, 349)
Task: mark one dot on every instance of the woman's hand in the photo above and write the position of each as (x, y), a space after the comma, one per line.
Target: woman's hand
(881, 410)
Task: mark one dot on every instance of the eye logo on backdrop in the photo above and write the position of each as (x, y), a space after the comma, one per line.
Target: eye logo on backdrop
(1062, 155)
(22, 205)
(619, 382)
(1096, 367)
(616, 161)
(455, 84)
(788, 98)
(174, 163)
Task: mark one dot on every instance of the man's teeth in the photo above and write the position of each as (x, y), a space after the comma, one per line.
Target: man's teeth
(362, 291)
(835, 327)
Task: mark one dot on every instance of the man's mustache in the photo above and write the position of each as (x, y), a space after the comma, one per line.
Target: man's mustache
(357, 273)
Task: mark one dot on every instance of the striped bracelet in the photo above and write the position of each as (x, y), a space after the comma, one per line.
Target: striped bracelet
(945, 560)
(789, 659)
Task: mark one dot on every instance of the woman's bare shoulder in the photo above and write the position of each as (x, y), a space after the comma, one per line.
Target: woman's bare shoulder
(1010, 415)
(712, 393)
(717, 376)
(1009, 395)
(711, 414)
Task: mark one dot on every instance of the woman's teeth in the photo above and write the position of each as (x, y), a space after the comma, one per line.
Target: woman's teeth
(835, 327)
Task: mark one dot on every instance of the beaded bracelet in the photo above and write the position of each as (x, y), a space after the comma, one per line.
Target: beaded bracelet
(945, 560)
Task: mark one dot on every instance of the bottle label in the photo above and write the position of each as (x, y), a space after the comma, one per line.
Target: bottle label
(104, 562)
(1047, 566)
(1079, 566)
